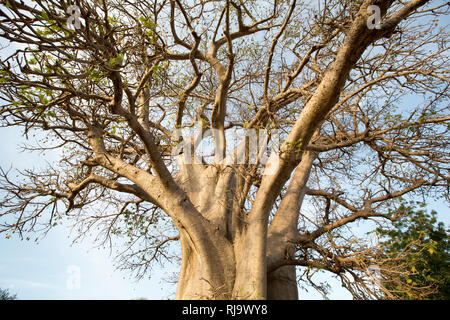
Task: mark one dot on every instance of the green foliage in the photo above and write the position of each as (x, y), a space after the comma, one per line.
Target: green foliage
(429, 259)
(149, 28)
(94, 75)
(117, 60)
(5, 295)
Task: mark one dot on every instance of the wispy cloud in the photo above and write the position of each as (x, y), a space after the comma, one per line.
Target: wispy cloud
(23, 283)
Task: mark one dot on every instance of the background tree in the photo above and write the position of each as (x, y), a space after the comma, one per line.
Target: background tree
(428, 256)
(5, 295)
(360, 108)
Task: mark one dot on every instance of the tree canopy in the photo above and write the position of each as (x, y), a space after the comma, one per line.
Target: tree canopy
(347, 111)
(427, 242)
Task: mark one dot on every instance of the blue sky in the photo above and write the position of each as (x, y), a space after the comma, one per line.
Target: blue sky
(41, 270)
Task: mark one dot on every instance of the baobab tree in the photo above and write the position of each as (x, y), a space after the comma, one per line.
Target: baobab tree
(344, 102)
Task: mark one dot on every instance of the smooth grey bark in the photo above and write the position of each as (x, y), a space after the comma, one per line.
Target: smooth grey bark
(282, 284)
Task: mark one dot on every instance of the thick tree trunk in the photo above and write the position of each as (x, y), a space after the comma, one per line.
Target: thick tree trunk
(201, 278)
(197, 281)
(205, 275)
(226, 267)
(282, 284)
(208, 269)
